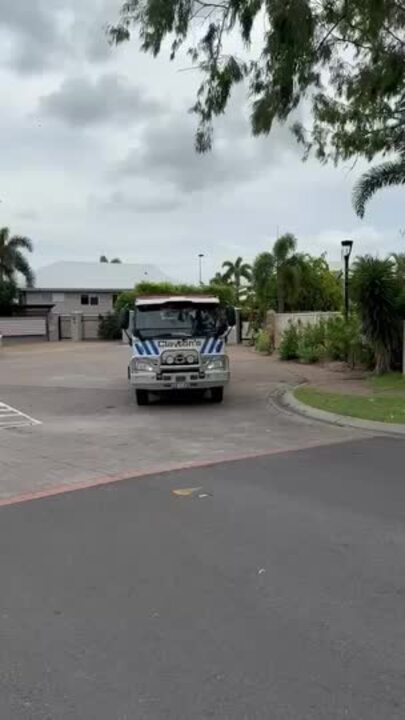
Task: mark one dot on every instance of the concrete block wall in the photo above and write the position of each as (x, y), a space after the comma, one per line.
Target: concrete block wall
(281, 321)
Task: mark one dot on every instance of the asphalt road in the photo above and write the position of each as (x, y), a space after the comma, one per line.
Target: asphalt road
(275, 591)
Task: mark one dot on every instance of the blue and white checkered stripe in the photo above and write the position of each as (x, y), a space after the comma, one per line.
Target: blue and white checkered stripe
(212, 346)
(149, 348)
(146, 348)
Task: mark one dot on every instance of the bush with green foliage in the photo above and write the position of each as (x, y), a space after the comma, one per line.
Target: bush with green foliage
(224, 292)
(125, 300)
(344, 341)
(289, 342)
(263, 342)
(319, 288)
(311, 343)
(333, 339)
(109, 327)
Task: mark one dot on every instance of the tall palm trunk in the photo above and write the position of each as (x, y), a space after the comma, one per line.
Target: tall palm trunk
(383, 358)
(237, 286)
(280, 293)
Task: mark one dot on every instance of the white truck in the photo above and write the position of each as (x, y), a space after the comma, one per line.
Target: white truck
(178, 343)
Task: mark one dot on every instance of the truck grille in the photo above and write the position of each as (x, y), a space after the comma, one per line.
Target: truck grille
(179, 378)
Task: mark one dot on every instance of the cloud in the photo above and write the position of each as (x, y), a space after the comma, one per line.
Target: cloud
(46, 33)
(31, 215)
(166, 153)
(82, 101)
(120, 202)
(34, 28)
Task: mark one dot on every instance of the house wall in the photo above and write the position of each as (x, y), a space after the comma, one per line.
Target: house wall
(68, 302)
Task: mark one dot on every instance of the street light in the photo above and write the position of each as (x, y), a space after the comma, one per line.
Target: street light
(347, 247)
(200, 259)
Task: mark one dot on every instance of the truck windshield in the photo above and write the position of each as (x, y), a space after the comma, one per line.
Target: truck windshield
(177, 321)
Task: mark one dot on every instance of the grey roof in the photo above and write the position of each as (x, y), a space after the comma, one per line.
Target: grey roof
(95, 276)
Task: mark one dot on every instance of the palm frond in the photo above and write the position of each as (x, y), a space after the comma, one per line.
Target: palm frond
(19, 242)
(229, 268)
(22, 266)
(4, 236)
(385, 175)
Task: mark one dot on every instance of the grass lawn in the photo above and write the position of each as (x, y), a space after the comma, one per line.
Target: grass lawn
(391, 382)
(381, 406)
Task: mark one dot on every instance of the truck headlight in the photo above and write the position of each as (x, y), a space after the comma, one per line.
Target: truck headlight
(143, 366)
(217, 363)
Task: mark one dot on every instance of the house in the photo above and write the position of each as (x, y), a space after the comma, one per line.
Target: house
(90, 287)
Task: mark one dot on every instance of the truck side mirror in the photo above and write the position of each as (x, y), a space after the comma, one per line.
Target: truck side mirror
(231, 316)
(124, 319)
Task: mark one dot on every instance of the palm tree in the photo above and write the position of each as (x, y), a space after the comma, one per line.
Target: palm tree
(384, 175)
(263, 279)
(115, 261)
(235, 272)
(375, 290)
(218, 279)
(287, 269)
(12, 260)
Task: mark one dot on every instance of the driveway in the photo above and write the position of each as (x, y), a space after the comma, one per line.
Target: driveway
(91, 429)
(275, 590)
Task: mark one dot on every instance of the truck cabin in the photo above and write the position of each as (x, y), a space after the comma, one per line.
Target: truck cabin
(179, 318)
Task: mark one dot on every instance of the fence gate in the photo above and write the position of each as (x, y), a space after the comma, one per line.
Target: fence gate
(65, 327)
(90, 327)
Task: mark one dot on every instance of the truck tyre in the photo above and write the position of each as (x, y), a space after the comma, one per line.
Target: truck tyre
(142, 397)
(217, 394)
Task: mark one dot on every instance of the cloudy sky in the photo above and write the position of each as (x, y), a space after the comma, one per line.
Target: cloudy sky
(98, 157)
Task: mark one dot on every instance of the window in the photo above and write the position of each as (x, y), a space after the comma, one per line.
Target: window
(115, 298)
(85, 300)
(94, 300)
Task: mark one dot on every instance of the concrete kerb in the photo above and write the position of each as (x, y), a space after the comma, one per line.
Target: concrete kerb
(289, 401)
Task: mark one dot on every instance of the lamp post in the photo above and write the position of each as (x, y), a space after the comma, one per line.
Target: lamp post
(347, 247)
(200, 259)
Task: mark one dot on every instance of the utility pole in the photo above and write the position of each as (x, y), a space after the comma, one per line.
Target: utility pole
(200, 274)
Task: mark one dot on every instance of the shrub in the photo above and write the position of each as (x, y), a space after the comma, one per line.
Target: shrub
(125, 300)
(109, 327)
(338, 337)
(263, 342)
(334, 339)
(311, 343)
(289, 342)
(225, 293)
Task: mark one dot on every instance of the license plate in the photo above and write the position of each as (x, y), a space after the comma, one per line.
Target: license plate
(181, 385)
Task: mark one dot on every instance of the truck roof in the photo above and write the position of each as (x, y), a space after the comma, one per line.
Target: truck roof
(162, 299)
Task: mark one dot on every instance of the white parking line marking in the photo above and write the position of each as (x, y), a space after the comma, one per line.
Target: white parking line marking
(10, 417)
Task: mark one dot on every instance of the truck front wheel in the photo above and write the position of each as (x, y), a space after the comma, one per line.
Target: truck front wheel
(217, 394)
(142, 397)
